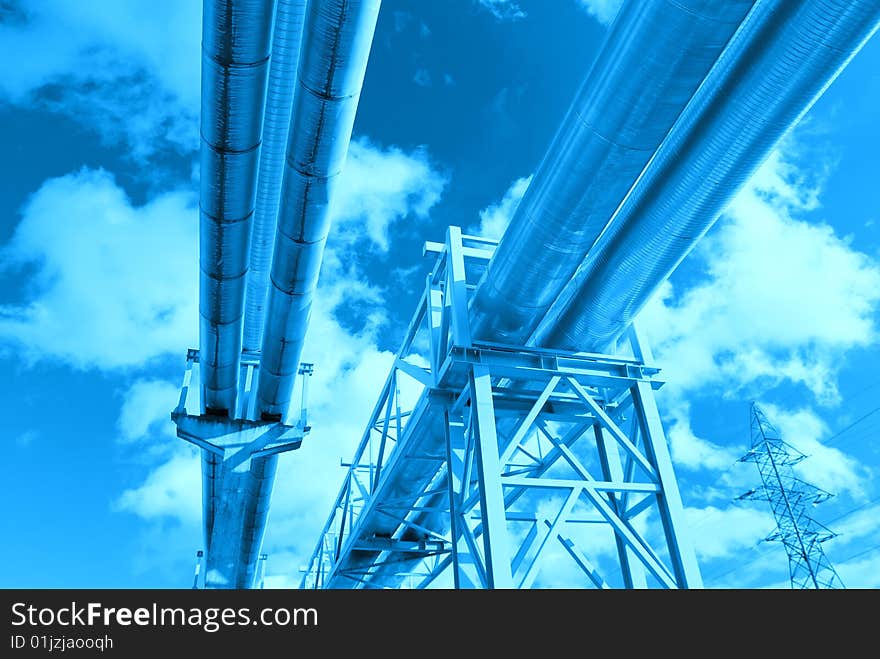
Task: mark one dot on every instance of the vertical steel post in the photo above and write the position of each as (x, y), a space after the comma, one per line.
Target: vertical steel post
(681, 549)
(496, 544)
(463, 561)
(631, 567)
(199, 555)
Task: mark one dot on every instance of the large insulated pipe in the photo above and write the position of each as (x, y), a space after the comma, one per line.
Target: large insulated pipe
(834, 31)
(233, 550)
(787, 53)
(286, 40)
(333, 61)
(235, 57)
(656, 54)
(240, 515)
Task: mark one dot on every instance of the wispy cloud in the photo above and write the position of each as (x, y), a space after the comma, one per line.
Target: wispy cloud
(146, 410)
(114, 284)
(27, 438)
(503, 9)
(495, 217)
(690, 451)
(129, 70)
(723, 532)
(172, 489)
(383, 185)
(422, 77)
(860, 525)
(864, 570)
(403, 20)
(783, 298)
(603, 10)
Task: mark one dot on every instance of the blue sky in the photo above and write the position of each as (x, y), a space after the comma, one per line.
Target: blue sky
(98, 286)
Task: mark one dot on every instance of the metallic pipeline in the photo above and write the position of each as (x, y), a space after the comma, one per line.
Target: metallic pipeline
(787, 53)
(235, 57)
(234, 545)
(336, 47)
(286, 40)
(785, 21)
(334, 54)
(656, 54)
(240, 516)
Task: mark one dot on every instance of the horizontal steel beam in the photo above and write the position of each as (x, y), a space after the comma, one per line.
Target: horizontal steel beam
(570, 483)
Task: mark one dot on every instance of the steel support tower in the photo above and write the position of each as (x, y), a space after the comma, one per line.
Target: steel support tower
(238, 451)
(480, 458)
(789, 497)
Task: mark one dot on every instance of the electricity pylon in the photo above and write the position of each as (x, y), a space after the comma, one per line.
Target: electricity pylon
(789, 496)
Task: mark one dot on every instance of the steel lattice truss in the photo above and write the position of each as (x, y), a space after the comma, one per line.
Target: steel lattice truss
(789, 498)
(479, 458)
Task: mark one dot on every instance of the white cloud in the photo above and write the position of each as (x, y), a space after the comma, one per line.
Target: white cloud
(495, 217)
(722, 532)
(763, 566)
(280, 581)
(146, 408)
(309, 479)
(503, 9)
(690, 451)
(603, 10)
(596, 542)
(422, 77)
(559, 570)
(859, 525)
(115, 284)
(380, 186)
(350, 371)
(862, 572)
(767, 565)
(172, 490)
(27, 438)
(783, 299)
(130, 69)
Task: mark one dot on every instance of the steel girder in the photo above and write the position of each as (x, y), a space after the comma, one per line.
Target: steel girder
(482, 460)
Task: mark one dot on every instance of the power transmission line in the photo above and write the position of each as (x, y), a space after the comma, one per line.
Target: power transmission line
(850, 426)
(764, 553)
(861, 553)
